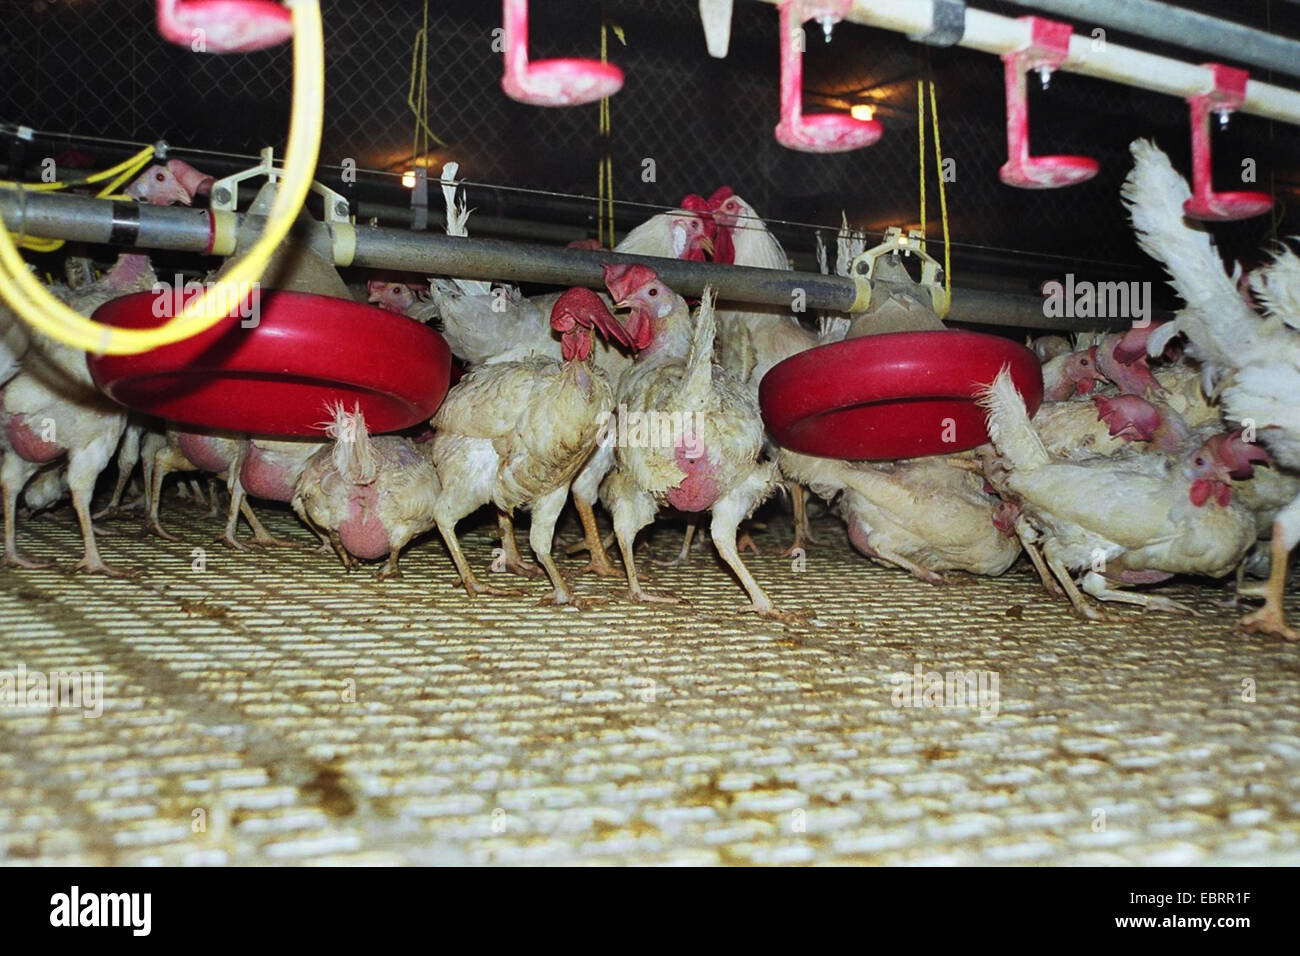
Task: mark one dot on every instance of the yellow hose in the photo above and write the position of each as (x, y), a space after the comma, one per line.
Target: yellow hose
(33, 302)
(117, 175)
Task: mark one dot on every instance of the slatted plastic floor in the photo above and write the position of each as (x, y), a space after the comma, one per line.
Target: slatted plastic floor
(268, 708)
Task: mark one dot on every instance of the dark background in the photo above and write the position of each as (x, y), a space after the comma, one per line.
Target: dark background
(97, 68)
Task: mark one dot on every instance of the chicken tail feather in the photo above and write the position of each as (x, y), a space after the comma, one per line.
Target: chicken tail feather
(354, 454)
(1009, 427)
(699, 367)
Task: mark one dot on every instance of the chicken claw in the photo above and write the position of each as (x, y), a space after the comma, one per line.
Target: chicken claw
(649, 597)
(16, 559)
(89, 565)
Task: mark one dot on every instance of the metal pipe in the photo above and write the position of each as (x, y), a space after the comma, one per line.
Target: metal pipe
(1185, 28)
(103, 221)
(991, 33)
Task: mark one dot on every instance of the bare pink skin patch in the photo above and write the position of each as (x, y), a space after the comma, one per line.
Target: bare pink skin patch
(264, 478)
(27, 444)
(699, 489)
(361, 532)
(204, 451)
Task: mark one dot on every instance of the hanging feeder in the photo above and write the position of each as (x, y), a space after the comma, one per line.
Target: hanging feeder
(818, 132)
(1228, 93)
(224, 26)
(1049, 47)
(563, 82)
(896, 395)
(277, 377)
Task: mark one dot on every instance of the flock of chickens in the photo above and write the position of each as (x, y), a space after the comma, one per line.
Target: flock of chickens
(1165, 450)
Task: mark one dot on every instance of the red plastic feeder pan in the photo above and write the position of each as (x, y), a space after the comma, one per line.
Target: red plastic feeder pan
(278, 376)
(898, 395)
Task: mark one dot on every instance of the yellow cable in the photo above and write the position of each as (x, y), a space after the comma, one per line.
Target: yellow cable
(33, 302)
(920, 151)
(129, 169)
(136, 162)
(943, 192)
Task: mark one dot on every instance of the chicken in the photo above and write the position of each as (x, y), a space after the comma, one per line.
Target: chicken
(1136, 518)
(710, 458)
(517, 433)
(367, 496)
(486, 325)
(52, 411)
(216, 453)
(400, 297)
(924, 515)
(271, 469)
(1250, 362)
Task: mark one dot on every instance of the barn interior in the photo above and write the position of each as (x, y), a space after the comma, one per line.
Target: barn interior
(252, 698)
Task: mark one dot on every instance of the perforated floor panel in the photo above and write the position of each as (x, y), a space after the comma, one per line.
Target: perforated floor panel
(267, 708)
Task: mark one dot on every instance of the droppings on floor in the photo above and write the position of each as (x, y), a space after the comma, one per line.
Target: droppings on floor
(267, 708)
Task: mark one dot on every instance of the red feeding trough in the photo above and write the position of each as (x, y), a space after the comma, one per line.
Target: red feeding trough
(1049, 47)
(820, 132)
(224, 26)
(898, 395)
(1228, 93)
(278, 376)
(564, 82)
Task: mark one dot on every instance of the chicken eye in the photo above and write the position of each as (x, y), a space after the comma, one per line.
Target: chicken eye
(653, 293)
(159, 177)
(1084, 363)
(1200, 462)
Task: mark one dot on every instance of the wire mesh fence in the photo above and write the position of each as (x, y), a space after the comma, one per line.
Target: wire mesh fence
(684, 122)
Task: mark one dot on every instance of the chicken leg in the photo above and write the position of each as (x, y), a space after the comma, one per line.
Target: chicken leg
(591, 541)
(84, 466)
(14, 474)
(514, 561)
(728, 512)
(632, 509)
(1271, 618)
(541, 535)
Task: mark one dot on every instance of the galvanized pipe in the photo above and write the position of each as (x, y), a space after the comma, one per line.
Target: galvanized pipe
(991, 33)
(1185, 28)
(201, 231)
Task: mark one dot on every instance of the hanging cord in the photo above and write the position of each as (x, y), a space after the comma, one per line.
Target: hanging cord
(417, 95)
(116, 176)
(943, 194)
(938, 163)
(605, 168)
(34, 303)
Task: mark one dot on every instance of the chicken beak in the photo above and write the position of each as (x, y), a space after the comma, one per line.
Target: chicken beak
(706, 244)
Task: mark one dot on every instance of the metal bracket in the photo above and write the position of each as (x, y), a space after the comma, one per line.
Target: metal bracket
(420, 200)
(947, 26)
(898, 243)
(225, 192)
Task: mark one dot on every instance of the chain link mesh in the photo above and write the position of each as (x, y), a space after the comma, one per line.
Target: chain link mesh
(99, 69)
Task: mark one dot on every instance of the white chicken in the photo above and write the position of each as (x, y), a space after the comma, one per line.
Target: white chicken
(516, 434)
(367, 496)
(924, 515)
(52, 410)
(488, 325)
(1250, 362)
(710, 459)
(1139, 517)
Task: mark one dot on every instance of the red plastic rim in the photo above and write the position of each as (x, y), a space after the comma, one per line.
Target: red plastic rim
(229, 26)
(1221, 207)
(277, 378)
(566, 82)
(1049, 172)
(899, 395)
(828, 133)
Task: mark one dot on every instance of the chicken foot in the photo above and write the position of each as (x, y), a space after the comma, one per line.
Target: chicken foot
(473, 587)
(83, 469)
(514, 561)
(1098, 586)
(1271, 619)
(591, 541)
(728, 512)
(541, 536)
(632, 511)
